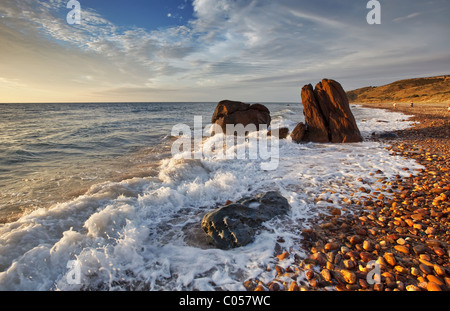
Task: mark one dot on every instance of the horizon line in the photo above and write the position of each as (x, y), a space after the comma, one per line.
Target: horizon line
(145, 102)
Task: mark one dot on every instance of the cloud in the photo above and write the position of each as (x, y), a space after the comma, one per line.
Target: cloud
(11, 83)
(245, 45)
(402, 18)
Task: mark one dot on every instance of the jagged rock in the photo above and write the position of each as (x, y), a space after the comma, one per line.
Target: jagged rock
(327, 114)
(234, 112)
(235, 225)
(317, 128)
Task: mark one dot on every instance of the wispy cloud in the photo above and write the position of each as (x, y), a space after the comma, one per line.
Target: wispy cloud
(402, 18)
(251, 46)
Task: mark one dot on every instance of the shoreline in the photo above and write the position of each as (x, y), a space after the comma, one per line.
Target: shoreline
(406, 236)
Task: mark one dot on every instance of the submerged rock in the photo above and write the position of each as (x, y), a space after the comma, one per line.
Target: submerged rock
(387, 135)
(235, 225)
(281, 133)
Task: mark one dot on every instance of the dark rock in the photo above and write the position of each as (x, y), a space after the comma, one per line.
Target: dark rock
(387, 135)
(236, 224)
(195, 236)
(327, 114)
(234, 112)
(298, 133)
(282, 132)
(420, 249)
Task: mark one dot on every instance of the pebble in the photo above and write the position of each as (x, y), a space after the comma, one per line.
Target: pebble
(336, 212)
(349, 264)
(275, 286)
(415, 271)
(280, 270)
(355, 239)
(368, 246)
(439, 251)
(283, 256)
(407, 232)
(309, 274)
(349, 276)
(401, 241)
(366, 256)
(425, 269)
(326, 274)
(425, 261)
(402, 249)
(293, 287)
(432, 278)
(378, 287)
(390, 259)
(401, 269)
(331, 246)
(433, 287)
(420, 249)
(412, 288)
(439, 270)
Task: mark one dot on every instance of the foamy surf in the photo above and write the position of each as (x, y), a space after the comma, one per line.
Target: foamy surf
(143, 233)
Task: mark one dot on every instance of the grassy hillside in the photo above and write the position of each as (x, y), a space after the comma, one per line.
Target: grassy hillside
(419, 90)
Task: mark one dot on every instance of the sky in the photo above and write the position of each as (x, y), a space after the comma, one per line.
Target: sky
(210, 50)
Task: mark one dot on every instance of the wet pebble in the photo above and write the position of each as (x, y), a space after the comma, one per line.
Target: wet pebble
(407, 232)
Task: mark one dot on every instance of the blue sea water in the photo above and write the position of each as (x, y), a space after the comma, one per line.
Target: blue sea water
(52, 152)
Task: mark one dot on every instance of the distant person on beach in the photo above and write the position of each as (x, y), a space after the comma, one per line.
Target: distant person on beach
(412, 105)
(395, 105)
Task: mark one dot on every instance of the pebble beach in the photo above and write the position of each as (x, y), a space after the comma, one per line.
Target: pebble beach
(393, 237)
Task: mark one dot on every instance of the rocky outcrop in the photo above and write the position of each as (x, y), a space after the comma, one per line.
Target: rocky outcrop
(327, 114)
(234, 112)
(235, 225)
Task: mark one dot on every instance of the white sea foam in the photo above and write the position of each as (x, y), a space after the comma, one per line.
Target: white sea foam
(132, 234)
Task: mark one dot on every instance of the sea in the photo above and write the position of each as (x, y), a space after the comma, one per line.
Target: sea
(92, 196)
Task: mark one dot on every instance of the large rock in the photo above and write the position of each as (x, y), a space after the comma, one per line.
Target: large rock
(235, 225)
(234, 112)
(336, 109)
(317, 128)
(327, 114)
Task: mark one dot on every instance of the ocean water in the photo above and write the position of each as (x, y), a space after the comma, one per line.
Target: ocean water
(92, 191)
